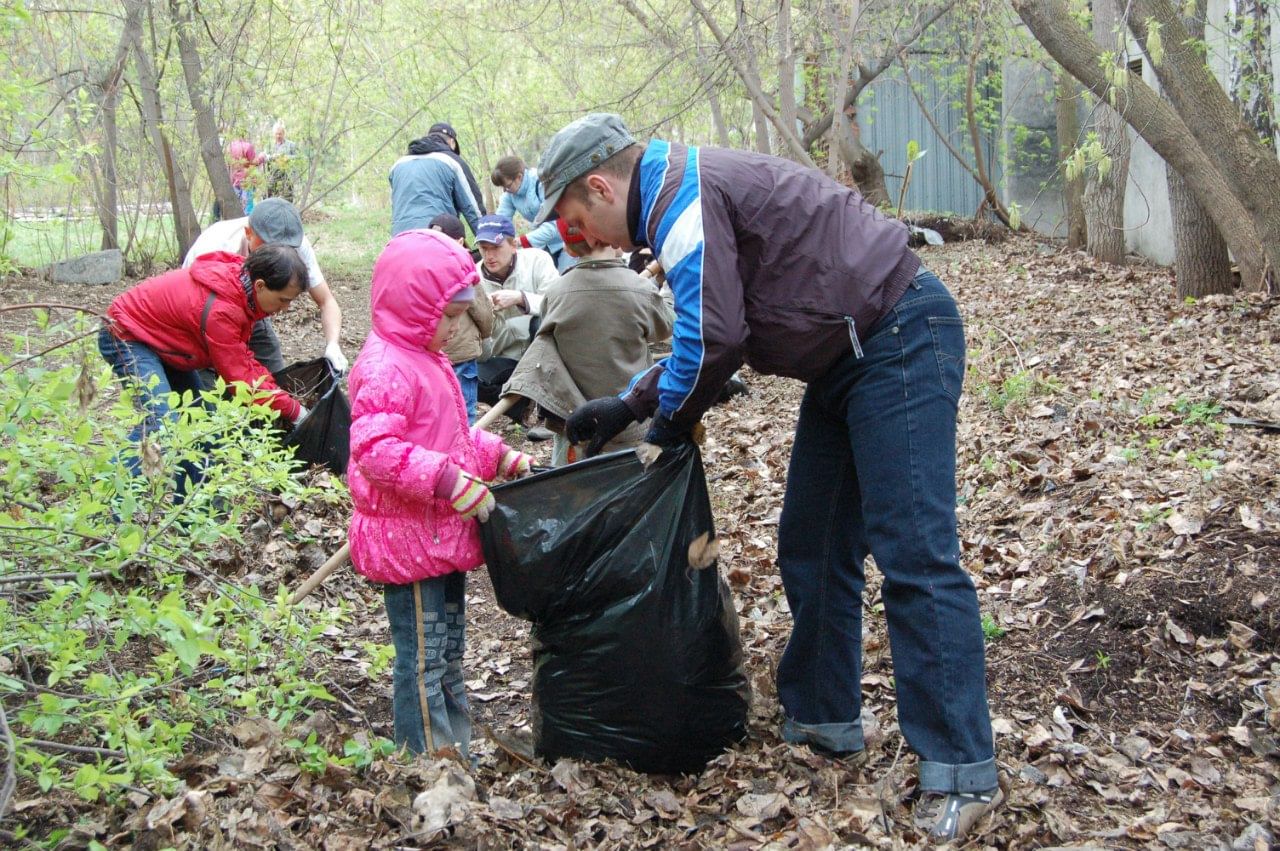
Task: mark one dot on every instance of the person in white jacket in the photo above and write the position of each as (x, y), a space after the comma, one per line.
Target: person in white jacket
(514, 278)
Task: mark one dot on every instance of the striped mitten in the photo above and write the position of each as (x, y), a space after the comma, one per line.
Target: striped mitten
(471, 498)
(514, 465)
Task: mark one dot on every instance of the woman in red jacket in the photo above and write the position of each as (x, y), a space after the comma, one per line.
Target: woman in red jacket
(161, 332)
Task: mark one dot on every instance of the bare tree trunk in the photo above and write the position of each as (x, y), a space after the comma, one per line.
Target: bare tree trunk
(761, 126)
(1251, 78)
(991, 196)
(1105, 186)
(1249, 166)
(977, 169)
(840, 83)
(1202, 264)
(1201, 261)
(109, 194)
(744, 63)
(786, 67)
(713, 98)
(215, 164)
(186, 225)
(1050, 21)
(864, 165)
(1068, 115)
(867, 73)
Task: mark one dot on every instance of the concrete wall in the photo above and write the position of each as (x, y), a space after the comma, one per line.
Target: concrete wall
(1148, 221)
(1032, 179)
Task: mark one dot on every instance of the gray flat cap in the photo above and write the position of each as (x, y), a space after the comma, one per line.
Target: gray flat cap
(574, 151)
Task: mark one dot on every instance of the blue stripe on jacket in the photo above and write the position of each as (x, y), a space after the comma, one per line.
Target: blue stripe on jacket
(678, 244)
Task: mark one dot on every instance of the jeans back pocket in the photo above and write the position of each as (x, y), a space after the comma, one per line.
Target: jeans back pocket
(948, 348)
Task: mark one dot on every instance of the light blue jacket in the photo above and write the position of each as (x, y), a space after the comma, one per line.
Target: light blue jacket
(426, 185)
(526, 202)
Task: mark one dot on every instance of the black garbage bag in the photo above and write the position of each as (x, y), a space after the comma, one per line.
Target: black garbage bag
(636, 653)
(324, 437)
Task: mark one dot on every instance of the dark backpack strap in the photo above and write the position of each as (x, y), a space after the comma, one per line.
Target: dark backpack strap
(204, 315)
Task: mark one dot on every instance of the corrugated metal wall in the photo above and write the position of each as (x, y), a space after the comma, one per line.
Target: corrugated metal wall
(890, 117)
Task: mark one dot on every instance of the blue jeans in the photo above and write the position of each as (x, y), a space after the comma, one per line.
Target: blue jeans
(428, 629)
(139, 363)
(873, 471)
(469, 380)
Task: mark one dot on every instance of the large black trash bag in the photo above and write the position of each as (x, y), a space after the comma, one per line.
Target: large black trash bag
(636, 653)
(324, 437)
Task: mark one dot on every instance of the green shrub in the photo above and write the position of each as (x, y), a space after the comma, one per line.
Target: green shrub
(123, 638)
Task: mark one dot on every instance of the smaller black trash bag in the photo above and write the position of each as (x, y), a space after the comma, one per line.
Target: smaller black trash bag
(636, 653)
(324, 437)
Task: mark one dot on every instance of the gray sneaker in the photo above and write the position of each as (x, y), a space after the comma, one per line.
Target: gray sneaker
(943, 817)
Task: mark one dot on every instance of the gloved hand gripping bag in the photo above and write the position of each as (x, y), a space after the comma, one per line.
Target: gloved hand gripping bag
(324, 437)
(637, 656)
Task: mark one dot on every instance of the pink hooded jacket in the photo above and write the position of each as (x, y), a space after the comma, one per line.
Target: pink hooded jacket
(409, 433)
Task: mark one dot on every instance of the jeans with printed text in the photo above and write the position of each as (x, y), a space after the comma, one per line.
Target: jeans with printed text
(873, 472)
(428, 629)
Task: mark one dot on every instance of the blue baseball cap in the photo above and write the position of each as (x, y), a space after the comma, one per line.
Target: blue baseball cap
(494, 229)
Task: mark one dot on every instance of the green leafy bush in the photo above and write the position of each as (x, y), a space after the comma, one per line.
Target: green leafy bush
(116, 635)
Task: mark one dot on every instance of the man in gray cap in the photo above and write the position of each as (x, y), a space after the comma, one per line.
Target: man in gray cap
(779, 266)
(276, 221)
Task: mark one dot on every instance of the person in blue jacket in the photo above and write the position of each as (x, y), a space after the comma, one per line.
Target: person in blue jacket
(428, 181)
(522, 193)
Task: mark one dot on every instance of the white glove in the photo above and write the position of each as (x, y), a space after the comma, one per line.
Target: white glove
(303, 413)
(333, 354)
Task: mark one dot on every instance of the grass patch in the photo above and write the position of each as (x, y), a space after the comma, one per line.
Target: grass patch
(348, 239)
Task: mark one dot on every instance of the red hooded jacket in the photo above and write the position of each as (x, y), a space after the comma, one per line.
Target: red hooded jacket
(165, 314)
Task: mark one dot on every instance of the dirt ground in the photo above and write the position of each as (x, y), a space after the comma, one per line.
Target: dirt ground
(1124, 541)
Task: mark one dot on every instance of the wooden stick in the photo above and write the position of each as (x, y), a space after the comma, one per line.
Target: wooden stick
(504, 404)
(343, 555)
(337, 560)
(654, 270)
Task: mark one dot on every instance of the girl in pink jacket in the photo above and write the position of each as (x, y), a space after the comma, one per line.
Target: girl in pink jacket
(417, 476)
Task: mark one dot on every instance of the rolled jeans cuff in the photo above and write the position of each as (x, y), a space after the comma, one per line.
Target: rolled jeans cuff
(968, 777)
(837, 738)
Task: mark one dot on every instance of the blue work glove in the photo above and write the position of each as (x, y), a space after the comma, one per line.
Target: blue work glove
(662, 432)
(597, 422)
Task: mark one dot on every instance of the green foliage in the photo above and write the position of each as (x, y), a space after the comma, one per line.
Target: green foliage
(991, 631)
(1014, 390)
(1089, 153)
(123, 639)
(1206, 412)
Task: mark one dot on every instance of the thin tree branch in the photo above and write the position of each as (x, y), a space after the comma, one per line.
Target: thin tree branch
(10, 764)
(866, 74)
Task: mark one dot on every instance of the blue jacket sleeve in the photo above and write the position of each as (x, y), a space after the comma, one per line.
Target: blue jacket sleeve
(506, 206)
(465, 203)
(698, 250)
(547, 236)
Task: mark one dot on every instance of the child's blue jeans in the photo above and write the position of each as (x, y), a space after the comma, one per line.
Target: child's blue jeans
(469, 380)
(428, 629)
